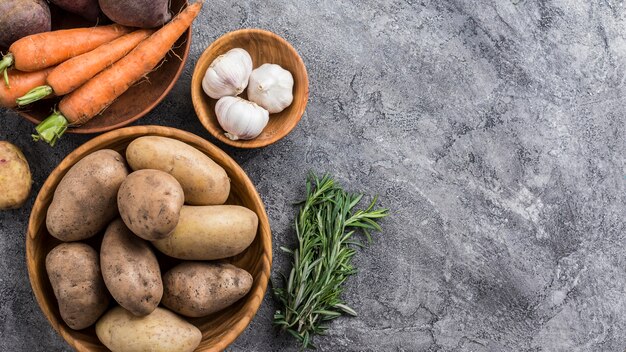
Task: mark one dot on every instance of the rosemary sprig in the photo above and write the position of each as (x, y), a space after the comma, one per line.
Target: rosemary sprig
(311, 296)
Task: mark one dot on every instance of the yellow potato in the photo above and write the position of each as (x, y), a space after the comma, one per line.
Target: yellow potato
(74, 273)
(85, 201)
(203, 181)
(197, 289)
(210, 232)
(15, 177)
(159, 331)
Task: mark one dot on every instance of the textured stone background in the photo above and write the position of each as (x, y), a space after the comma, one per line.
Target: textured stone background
(495, 132)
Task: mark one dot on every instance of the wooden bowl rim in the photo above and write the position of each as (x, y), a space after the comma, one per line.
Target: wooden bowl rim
(256, 294)
(197, 93)
(144, 112)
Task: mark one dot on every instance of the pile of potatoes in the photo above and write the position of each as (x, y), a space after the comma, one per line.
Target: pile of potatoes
(172, 201)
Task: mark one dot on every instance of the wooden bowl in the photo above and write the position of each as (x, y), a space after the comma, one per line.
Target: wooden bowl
(264, 47)
(137, 101)
(219, 329)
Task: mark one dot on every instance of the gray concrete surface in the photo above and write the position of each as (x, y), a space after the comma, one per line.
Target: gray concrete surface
(495, 132)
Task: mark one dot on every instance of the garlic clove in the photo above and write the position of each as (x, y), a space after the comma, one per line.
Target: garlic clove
(271, 87)
(241, 119)
(228, 74)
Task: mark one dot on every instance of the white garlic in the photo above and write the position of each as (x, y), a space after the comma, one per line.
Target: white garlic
(271, 87)
(228, 74)
(241, 119)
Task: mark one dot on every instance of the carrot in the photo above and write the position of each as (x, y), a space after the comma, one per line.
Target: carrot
(42, 50)
(71, 74)
(99, 92)
(22, 82)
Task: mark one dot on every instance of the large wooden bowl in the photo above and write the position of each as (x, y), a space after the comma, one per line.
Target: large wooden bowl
(219, 329)
(264, 47)
(137, 101)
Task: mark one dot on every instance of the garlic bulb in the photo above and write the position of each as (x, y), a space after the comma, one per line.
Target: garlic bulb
(271, 87)
(241, 119)
(228, 74)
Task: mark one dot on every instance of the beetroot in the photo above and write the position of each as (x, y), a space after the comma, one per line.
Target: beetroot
(88, 9)
(21, 18)
(137, 13)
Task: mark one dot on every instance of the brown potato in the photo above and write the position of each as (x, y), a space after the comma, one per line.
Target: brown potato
(149, 202)
(210, 232)
(84, 202)
(197, 289)
(130, 270)
(204, 182)
(74, 272)
(15, 177)
(159, 331)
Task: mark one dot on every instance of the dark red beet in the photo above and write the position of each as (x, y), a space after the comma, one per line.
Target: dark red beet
(21, 18)
(88, 9)
(137, 13)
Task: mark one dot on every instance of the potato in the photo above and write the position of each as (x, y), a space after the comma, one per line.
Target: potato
(130, 270)
(210, 232)
(204, 182)
(74, 272)
(88, 9)
(21, 18)
(197, 289)
(137, 13)
(85, 201)
(149, 202)
(160, 331)
(15, 177)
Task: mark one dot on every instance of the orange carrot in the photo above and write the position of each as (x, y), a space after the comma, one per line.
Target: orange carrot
(21, 82)
(99, 92)
(72, 73)
(42, 50)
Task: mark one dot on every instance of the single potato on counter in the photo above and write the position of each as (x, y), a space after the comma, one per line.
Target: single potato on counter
(130, 270)
(210, 232)
(85, 201)
(197, 289)
(74, 272)
(203, 180)
(160, 331)
(15, 177)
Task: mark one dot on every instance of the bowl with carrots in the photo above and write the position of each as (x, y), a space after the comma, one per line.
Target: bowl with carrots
(95, 78)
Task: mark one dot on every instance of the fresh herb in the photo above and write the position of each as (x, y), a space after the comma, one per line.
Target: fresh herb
(311, 295)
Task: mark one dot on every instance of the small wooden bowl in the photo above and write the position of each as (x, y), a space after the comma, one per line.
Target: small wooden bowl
(264, 47)
(137, 101)
(219, 329)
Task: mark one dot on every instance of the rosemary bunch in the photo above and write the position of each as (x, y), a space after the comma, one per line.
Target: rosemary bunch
(326, 223)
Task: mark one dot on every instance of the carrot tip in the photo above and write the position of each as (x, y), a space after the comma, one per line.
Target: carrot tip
(5, 63)
(51, 129)
(34, 95)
